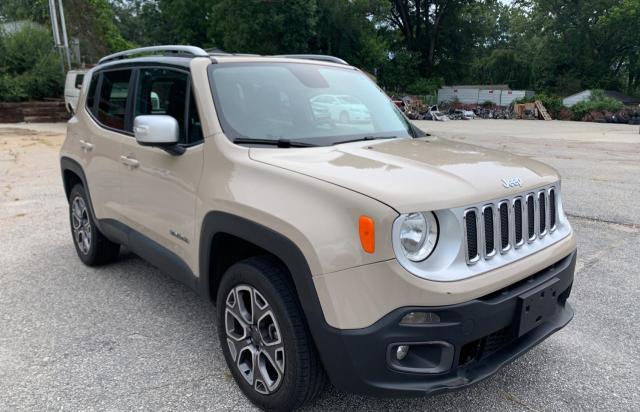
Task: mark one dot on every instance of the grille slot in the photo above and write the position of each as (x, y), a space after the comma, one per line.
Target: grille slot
(531, 218)
(512, 223)
(471, 232)
(517, 220)
(504, 226)
(552, 209)
(542, 209)
(489, 231)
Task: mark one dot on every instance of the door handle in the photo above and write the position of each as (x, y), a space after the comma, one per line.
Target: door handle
(86, 145)
(129, 161)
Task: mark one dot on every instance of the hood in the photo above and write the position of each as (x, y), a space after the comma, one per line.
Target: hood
(414, 174)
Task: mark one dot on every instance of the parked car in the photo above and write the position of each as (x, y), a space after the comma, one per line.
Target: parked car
(341, 108)
(434, 114)
(383, 259)
(72, 86)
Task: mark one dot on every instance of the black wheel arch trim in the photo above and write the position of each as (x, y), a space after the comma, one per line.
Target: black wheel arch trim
(326, 338)
(71, 165)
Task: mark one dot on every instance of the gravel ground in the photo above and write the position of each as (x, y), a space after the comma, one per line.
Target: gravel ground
(127, 336)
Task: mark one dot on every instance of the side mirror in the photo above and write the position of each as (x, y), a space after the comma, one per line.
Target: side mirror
(158, 130)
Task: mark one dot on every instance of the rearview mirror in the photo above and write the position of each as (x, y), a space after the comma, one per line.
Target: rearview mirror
(158, 130)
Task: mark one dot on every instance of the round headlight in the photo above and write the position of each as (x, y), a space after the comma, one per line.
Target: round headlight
(418, 235)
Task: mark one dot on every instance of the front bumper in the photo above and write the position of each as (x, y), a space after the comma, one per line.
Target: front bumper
(474, 339)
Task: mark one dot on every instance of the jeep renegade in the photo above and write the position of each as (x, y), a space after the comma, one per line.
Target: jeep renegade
(337, 241)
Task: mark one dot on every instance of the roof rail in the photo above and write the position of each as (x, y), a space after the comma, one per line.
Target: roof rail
(320, 57)
(178, 50)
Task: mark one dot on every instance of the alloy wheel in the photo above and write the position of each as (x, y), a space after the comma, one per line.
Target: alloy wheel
(80, 224)
(254, 339)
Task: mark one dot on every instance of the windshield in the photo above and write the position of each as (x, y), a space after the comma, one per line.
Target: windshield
(319, 105)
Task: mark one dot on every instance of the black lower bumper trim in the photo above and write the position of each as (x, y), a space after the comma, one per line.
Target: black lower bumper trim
(486, 334)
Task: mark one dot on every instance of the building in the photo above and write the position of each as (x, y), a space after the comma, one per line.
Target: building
(13, 27)
(499, 94)
(585, 95)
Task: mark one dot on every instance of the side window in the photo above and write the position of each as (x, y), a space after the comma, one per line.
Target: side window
(79, 79)
(164, 92)
(91, 94)
(113, 96)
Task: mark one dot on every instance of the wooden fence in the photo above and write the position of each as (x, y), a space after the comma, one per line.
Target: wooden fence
(34, 112)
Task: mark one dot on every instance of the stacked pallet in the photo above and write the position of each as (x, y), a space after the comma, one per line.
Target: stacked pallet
(543, 111)
(34, 112)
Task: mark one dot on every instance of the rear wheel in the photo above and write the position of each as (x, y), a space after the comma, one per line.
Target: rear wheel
(92, 246)
(264, 337)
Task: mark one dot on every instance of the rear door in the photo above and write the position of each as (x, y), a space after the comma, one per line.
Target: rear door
(160, 190)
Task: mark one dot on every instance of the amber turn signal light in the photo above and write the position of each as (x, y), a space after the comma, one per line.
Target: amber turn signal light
(367, 234)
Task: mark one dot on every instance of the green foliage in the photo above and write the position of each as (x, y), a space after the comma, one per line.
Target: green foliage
(344, 29)
(557, 47)
(504, 66)
(29, 66)
(597, 103)
(11, 90)
(264, 27)
(398, 72)
(16, 10)
(424, 86)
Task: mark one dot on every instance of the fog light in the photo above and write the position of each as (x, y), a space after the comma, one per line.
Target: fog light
(402, 352)
(420, 318)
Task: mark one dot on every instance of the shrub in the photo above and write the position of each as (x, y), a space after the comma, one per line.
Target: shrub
(11, 90)
(30, 68)
(597, 104)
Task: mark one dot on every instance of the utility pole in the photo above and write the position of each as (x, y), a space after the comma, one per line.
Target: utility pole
(64, 35)
(56, 33)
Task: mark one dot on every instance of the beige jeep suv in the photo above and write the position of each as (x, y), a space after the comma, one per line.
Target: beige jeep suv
(360, 251)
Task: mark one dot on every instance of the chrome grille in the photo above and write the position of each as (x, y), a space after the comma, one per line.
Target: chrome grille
(509, 223)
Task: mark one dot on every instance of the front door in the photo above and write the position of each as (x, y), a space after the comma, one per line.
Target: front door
(160, 188)
(107, 101)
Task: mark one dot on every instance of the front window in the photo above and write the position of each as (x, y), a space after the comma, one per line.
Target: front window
(313, 104)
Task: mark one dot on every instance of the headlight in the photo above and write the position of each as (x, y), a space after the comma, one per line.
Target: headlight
(418, 235)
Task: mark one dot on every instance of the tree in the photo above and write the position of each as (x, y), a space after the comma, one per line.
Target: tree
(623, 22)
(347, 29)
(264, 27)
(422, 23)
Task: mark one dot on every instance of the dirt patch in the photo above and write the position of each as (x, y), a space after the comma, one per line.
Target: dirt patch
(15, 132)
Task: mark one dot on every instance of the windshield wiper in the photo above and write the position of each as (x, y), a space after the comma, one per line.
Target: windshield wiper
(273, 142)
(364, 138)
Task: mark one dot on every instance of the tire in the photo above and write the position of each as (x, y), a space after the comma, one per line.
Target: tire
(92, 247)
(344, 117)
(289, 372)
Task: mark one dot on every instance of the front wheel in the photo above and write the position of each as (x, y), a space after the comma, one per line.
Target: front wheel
(264, 337)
